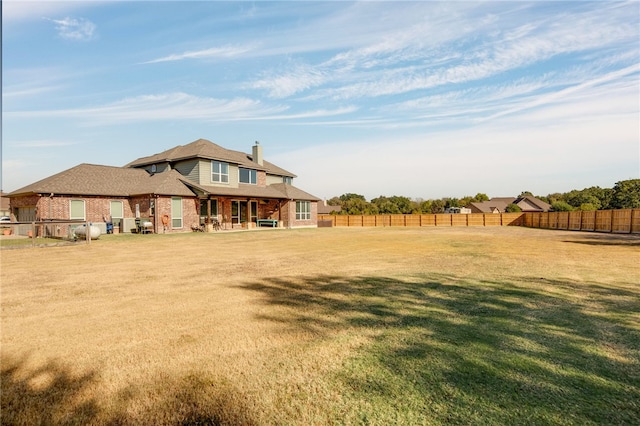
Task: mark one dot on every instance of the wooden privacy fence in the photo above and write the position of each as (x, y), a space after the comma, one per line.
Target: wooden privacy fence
(618, 221)
(474, 219)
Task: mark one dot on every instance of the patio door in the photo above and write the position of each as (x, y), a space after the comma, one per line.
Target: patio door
(244, 211)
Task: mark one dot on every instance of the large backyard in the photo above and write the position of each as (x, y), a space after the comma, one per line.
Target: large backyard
(501, 325)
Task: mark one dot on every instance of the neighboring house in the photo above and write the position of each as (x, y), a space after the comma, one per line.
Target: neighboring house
(176, 189)
(4, 204)
(324, 208)
(526, 203)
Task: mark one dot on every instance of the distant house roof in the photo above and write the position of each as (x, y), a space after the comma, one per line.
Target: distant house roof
(324, 208)
(4, 202)
(92, 179)
(205, 149)
(526, 203)
(495, 205)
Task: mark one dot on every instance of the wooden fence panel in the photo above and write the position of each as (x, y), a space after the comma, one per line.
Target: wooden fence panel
(635, 221)
(512, 219)
(588, 221)
(459, 219)
(396, 220)
(603, 220)
(443, 220)
(492, 219)
(412, 220)
(428, 220)
(575, 221)
(563, 220)
(621, 221)
(369, 220)
(475, 219)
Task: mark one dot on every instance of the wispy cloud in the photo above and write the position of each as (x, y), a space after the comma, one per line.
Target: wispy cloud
(171, 106)
(421, 57)
(182, 106)
(211, 53)
(79, 29)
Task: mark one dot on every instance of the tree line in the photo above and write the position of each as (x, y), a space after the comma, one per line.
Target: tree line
(624, 195)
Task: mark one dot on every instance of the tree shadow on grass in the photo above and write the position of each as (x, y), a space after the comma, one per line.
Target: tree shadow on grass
(447, 349)
(53, 395)
(44, 396)
(608, 239)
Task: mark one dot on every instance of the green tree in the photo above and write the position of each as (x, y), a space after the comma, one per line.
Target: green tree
(480, 197)
(626, 194)
(513, 208)
(437, 206)
(334, 201)
(451, 202)
(561, 206)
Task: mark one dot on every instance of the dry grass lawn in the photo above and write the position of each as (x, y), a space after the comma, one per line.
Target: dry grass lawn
(325, 326)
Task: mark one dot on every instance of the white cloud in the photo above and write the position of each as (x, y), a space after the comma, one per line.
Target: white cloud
(211, 53)
(179, 106)
(79, 29)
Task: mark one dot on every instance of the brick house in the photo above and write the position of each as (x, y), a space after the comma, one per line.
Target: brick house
(527, 203)
(188, 185)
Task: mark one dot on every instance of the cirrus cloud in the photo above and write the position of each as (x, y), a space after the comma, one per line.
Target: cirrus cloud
(79, 29)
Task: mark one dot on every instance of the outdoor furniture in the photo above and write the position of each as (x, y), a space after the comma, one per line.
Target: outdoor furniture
(271, 222)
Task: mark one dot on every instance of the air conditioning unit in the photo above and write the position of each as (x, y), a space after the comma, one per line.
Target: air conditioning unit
(127, 224)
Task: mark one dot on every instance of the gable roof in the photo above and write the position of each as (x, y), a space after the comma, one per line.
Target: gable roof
(493, 205)
(92, 179)
(527, 203)
(205, 149)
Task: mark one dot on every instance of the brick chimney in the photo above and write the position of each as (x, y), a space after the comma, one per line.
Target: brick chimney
(257, 153)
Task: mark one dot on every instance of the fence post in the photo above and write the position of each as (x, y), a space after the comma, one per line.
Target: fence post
(611, 224)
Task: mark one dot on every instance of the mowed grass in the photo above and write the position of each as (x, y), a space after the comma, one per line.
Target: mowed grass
(325, 326)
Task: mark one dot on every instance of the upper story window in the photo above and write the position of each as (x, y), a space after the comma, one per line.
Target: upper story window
(287, 180)
(219, 172)
(248, 176)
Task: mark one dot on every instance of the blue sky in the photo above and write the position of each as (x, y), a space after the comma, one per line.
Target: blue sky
(420, 99)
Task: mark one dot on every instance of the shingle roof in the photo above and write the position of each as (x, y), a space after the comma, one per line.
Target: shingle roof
(92, 179)
(277, 190)
(526, 203)
(203, 148)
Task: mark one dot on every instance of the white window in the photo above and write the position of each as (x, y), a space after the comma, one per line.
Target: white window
(248, 176)
(303, 210)
(76, 210)
(116, 210)
(176, 212)
(287, 179)
(219, 172)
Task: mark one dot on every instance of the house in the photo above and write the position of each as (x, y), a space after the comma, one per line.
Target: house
(527, 203)
(324, 208)
(4, 204)
(185, 186)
